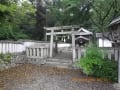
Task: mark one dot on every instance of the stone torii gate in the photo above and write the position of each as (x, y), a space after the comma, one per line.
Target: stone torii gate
(62, 30)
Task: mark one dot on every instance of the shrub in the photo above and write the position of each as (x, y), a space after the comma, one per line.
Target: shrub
(108, 70)
(5, 58)
(91, 61)
(94, 65)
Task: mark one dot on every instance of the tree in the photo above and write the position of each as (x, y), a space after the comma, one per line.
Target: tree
(103, 12)
(41, 20)
(26, 19)
(70, 12)
(27, 14)
(12, 18)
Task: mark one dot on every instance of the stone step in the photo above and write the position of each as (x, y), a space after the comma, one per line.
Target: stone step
(59, 60)
(59, 64)
(19, 59)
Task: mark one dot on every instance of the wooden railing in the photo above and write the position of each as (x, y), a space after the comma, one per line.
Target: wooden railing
(37, 52)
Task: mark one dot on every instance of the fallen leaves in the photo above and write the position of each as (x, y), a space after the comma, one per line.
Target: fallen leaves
(27, 73)
(90, 79)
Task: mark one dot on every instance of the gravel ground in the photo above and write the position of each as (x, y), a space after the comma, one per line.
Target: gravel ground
(32, 77)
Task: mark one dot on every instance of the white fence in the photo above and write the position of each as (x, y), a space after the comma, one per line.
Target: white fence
(11, 47)
(15, 46)
(33, 49)
(108, 53)
(38, 50)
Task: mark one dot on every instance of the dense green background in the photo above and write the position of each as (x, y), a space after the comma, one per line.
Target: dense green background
(21, 19)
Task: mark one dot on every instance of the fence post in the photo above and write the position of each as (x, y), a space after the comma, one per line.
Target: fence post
(79, 53)
(119, 67)
(41, 52)
(38, 52)
(30, 51)
(34, 52)
(27, 52)
(109, 54)
(116, 55)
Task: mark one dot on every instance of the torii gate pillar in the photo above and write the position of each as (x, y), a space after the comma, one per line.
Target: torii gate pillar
(73, 46)
(51, 43)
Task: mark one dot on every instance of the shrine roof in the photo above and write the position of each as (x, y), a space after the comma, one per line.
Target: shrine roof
(82, 37)
(115, 21)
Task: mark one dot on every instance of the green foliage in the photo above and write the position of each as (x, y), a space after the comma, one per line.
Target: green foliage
(96, 14)
(69, 12)
(5, 58)
(93, 58)
(28, 18)
(93, 52)
(109, 70)
(14, 19)
(103, 12)
(94, 65)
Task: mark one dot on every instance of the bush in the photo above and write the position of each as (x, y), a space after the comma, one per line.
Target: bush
(92, 61)
(5, 58)
(94, 65)
(108, 70)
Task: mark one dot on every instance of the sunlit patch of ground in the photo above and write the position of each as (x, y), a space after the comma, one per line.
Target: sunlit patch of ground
(32, 77)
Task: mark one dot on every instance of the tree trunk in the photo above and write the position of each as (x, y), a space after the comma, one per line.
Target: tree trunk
(41, 18)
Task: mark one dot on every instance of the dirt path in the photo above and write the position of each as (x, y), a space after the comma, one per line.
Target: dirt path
(32, 77)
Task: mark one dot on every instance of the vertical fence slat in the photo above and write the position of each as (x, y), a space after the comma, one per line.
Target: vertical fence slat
(38, 52)
(41, 52)
(27, 51)
(34, 53)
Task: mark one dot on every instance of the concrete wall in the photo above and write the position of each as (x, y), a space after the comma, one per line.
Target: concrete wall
(104, 43)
